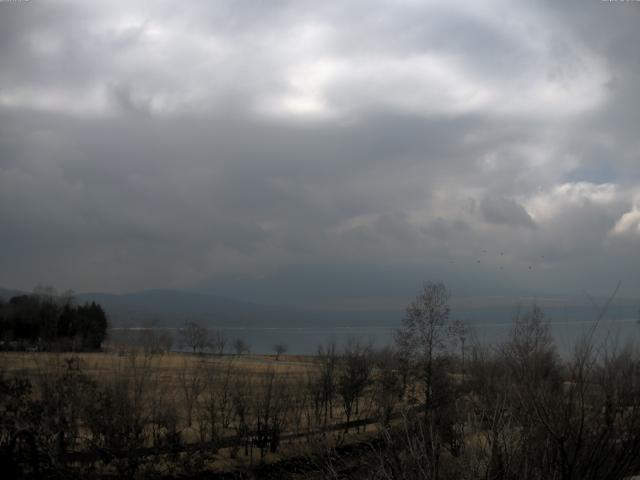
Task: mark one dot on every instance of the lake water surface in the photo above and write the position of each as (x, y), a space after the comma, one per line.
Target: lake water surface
(305, 340)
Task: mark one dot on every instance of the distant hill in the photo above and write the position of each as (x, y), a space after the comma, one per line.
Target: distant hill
(171, 308)
(7, 293)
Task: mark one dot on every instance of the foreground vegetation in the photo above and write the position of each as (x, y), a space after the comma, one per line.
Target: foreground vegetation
(436, 406)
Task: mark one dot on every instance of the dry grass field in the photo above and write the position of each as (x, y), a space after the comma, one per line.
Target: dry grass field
(168, 366)
(196, 387)
(232, 401)
(178, 378)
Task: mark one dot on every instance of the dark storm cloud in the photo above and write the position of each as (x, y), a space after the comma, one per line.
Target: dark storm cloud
(287, 148)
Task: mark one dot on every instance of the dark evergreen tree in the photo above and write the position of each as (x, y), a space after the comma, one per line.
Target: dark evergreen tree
(49, 322)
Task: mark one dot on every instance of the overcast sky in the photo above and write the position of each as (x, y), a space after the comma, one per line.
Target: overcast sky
(320, 153)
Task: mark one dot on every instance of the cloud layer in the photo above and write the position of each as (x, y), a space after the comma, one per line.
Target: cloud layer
(317, 153)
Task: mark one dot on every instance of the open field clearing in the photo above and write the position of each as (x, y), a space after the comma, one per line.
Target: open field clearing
(96, 364)
(229, 409)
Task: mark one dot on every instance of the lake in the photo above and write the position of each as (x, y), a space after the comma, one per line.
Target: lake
(305, 340)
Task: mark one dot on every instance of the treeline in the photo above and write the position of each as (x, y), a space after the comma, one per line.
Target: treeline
(516, 410)
(45, 320)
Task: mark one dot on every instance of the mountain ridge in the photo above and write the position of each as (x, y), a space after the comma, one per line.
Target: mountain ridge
(172, 308)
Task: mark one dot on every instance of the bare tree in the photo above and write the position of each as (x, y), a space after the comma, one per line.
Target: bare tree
(118, 413)
(240, 346)
(163, 415)
(460, 333)
(328, 360)
(218, 342)
(422, 341)
(423, 334)
(355, 376)
(155, 341)
(216, 405)
(192, 382)
(313, 392)
(387, 383)
(50, 294)
(280, 349)
(242, 413)
(194, 336)
(301, 405)
(271, 405)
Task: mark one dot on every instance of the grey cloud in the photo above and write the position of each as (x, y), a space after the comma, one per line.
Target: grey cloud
(136, 149)
(505, 211)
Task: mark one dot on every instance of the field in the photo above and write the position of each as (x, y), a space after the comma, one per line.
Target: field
(168, 366)
(234, 411)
